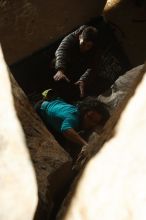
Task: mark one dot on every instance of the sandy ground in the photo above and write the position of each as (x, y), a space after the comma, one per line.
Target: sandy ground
(131, 22)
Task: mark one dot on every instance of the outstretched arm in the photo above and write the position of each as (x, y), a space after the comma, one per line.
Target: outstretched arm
(63, 52)
(81, 82)
(86, 75)
(73, 136)
(62, 56)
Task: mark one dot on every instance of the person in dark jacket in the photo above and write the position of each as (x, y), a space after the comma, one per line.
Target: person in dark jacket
(84, 66)
(74, 62)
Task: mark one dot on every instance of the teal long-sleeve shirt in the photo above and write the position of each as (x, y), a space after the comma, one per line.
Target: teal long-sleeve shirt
(60, 115)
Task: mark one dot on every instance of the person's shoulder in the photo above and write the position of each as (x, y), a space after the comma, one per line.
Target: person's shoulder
(80, 29)
(73, 36)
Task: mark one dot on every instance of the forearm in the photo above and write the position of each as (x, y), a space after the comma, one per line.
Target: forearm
(86, 75)
(60, 63)
(73, 136)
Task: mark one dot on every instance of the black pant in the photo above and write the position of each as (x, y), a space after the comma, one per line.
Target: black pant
(97, 86)
(66, 90)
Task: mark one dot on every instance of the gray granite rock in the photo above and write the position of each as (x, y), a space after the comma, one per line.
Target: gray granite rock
(52, 164)
(116, 99)
(112, 185)
(121, 88)
(18, 186)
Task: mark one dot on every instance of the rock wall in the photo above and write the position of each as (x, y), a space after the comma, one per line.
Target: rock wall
(52, 164)
(18, 187)
(28, 25)
(112, 184)
(129, 27)
(18, 180)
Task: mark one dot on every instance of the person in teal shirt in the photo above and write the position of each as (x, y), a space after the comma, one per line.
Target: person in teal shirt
(68, 119)
(60, 115)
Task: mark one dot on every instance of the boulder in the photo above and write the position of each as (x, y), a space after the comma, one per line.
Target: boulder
(52, 164)
(18, 186)
(112, 184)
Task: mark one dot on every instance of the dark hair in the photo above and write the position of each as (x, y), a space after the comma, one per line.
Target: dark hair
(92, 104)
(90, 34)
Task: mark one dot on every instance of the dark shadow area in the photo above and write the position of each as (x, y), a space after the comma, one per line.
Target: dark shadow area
(33, 73)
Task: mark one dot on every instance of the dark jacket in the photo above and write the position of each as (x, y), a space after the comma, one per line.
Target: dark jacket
(99, 67)
(76, 65)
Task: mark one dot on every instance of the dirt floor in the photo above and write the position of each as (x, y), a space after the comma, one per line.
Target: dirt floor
(129, 19)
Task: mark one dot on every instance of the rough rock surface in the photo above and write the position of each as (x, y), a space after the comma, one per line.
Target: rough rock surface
(27, 25)
(119, 165)
(18, 187)
(129, 27)
(52, 164)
